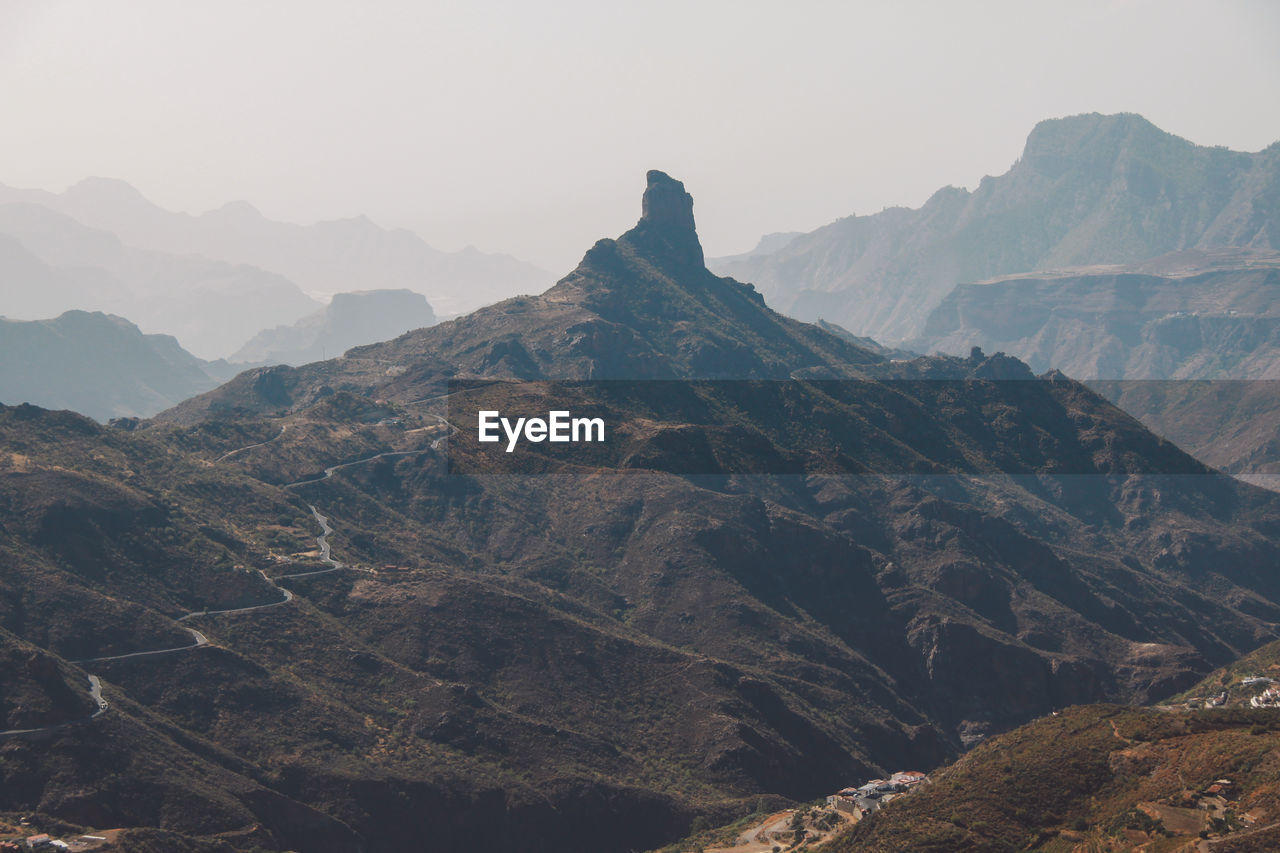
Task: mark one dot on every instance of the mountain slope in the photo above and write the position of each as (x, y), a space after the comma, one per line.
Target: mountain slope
(30, 289)
(97, 364)
(1097, 778)
(1232, 425)
(349, 320)
(1087, 189)
(793, 564)
(1140, 333)
(1189, 315)
(642, 306)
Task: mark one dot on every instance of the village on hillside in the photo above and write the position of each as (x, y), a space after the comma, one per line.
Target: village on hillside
(43, 841)
(807, 827)
(1236, 693)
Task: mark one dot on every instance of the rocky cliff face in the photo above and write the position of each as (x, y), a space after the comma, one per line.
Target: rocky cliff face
(1088, 189)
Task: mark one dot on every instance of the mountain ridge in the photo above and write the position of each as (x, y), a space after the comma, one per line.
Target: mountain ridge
(1087, 189)
(588, 656)
(100, 365)
(198, 300)
(1112, 321)
(642, 306)
(1189, 342)
(327, 257)
(632, 285)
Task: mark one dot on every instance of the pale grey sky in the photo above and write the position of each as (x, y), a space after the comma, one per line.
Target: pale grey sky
(527, 127)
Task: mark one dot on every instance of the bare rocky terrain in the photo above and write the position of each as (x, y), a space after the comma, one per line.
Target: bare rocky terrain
(799, 563)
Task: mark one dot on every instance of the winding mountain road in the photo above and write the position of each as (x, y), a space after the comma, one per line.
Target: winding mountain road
(325, 554)
(329, 472)
(231, 453)
(95, 693)
(198, 638)
(453, 430)
(288, 596)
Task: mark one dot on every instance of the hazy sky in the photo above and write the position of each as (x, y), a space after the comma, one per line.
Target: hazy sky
(527, 127)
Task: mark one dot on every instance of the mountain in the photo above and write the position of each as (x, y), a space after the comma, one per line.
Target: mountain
(1198, 767)
(643, 306)
(874, 346)
(99, 365)
(1097, 778)
(349, 320)
(792, 564)
(32, 289)
(325, 258)
(1235, 685)
(1187, 342)
(96, 564)
(767, 245)
(1195, 314)
(1089, 189)
(1229, 424)
(52, 264)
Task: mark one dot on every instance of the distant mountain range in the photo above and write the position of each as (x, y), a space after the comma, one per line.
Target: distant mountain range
(321, 259)
(1089, 189)
(349, 320)
(669, 318)
(50, 263)
(102, 366)
(99, 365)
(1111, 251)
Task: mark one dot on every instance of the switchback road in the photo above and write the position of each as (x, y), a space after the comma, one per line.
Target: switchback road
(95, 692)
(199, 639)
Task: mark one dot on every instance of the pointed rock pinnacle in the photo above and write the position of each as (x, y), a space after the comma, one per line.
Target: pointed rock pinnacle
(666, 225)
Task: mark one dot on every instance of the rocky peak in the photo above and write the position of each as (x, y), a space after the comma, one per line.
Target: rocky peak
(106, 191)
(1093, 138)
(237, 211)
(666, 229)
